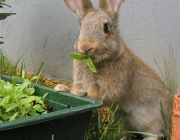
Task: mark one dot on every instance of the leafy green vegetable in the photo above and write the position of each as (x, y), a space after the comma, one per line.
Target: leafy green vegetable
(17, 100)
(78, 56)
(90, 64)
(88, 59)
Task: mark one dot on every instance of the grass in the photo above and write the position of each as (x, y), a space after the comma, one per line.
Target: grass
(104, 125)
(167, 118)
(6, 66)
(168, 76)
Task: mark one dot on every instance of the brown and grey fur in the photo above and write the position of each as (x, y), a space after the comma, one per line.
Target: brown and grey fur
(121, 76)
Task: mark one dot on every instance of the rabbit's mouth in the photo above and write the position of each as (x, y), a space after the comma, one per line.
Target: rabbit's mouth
(97, 55)
(96, 49)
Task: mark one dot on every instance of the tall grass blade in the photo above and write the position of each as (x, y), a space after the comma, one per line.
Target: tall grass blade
(41, 68)
(169, 72)
(167, 118)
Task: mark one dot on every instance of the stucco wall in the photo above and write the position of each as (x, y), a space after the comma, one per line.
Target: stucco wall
(45, 30)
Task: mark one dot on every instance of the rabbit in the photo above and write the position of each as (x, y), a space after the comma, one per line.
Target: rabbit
(121, 76)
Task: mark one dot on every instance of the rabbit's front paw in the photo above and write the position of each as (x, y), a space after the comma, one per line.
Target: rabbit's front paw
(61, 88)
(79, 92)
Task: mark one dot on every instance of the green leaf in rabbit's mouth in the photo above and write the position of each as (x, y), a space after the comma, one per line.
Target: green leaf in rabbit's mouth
(88, 59)
(78, 56)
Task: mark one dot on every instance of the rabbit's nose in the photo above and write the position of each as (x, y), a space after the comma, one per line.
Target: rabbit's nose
(85, 46)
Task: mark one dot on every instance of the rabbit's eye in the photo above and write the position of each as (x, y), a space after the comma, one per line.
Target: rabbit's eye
(106, 28)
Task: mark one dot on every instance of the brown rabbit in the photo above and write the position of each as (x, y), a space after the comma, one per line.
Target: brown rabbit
(121, 76)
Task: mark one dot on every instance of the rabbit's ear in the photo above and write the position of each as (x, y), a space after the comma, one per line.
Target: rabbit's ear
(79, 7)
(111, 6)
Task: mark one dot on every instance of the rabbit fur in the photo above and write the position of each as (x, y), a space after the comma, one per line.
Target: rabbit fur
(121, 76)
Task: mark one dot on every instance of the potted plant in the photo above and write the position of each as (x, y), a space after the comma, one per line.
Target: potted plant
(68, 120)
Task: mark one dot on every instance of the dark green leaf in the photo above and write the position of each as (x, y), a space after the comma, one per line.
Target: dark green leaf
(5, 15)
(3, 4)
(2, 0)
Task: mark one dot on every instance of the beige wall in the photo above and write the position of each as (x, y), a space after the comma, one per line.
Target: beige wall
(45, 30)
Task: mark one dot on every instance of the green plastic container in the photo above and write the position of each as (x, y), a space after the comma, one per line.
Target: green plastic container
(69, 119)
